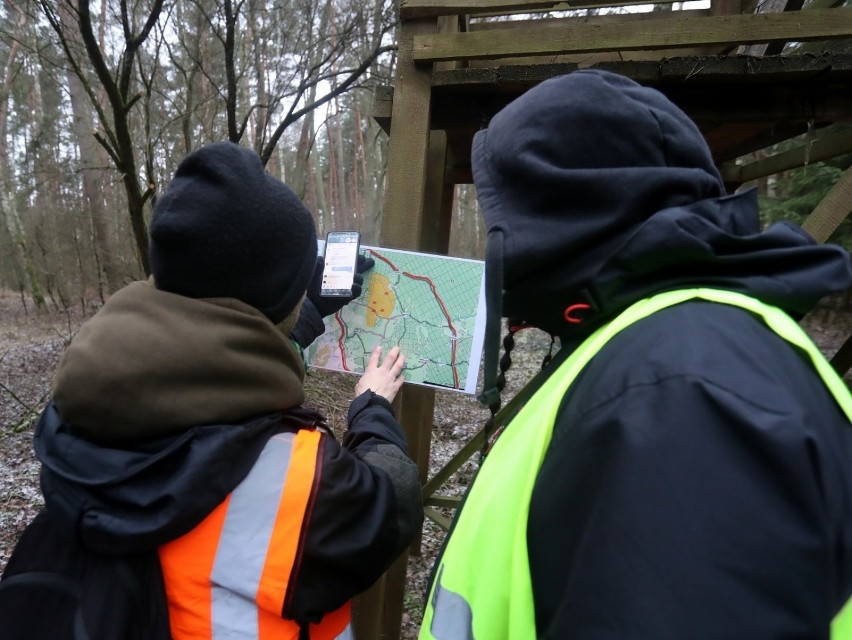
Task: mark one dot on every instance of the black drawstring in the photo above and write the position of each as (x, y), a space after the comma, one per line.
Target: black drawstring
(492, 380)
(490, 395)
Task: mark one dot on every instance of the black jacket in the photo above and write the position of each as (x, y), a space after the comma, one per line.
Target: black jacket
(697, 486)
(120, 493)
(699, 480)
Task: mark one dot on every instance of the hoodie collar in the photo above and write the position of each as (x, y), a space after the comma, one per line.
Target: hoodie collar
(151, 363)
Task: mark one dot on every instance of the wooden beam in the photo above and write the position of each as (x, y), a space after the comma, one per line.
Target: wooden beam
(726, 7)
(438, 518)
(769, 6)
(842, 359)
(834, 208)
(796, 88)
(379, 611)
(408, 145)
(449, 502)
(594, 19)
(732, 140)
(411, 9)
(383, 107)
(821, 148)
(666, 33)
(580, 6)
(438, 206)
(735, 70)
(709, 105)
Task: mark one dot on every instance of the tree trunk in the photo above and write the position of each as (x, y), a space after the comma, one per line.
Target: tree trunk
(93, 164)
(8, 206)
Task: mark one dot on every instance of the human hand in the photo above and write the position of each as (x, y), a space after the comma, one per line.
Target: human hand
(328, 306)
(383, 379)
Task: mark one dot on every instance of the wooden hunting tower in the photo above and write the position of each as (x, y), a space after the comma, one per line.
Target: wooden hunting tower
(749, 74)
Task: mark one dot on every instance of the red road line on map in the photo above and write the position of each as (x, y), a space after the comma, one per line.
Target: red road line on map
(446, 315)
(383, 259)
(340, 341)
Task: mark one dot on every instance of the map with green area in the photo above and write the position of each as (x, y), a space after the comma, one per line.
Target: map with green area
(432, 306)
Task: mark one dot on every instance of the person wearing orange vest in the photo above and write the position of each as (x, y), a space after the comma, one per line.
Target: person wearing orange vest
(178, 422)
(682, 467)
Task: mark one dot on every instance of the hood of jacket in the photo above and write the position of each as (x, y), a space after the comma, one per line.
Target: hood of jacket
(599, 191)
(152, 363)
(132, 497)
(161, 405)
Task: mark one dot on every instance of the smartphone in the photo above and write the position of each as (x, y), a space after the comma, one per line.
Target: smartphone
(341, 256)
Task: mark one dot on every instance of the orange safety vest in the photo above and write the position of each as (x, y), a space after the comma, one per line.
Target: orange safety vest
(230, 576)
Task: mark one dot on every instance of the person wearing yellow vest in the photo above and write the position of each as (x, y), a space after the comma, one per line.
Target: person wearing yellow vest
(681, 469)
(178, 430)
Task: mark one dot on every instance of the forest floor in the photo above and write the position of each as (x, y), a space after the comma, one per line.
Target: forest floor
(31, 343)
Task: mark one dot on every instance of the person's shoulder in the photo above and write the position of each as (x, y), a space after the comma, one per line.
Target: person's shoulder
(705, 343)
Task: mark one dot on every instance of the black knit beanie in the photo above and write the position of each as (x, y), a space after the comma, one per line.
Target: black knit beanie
(224, 228)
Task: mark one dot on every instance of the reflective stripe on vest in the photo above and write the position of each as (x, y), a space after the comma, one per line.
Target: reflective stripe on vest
(484, 591)
(228, 577)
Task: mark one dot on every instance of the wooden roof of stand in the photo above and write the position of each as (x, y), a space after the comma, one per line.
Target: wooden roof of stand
(715, 67)
(741, 104)
(749, 74)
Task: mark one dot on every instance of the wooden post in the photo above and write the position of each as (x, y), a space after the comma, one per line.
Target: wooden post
(377, 613)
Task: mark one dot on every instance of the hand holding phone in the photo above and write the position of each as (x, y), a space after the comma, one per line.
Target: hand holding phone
(341, 259)
(309, 324)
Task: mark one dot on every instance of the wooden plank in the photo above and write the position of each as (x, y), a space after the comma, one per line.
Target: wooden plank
(667, 33)
(449, 24)
(600, 57)
(438, 518)
(842, 360)
(462, 455)
(593, 19)
(732, 140)
(450, 502)
(580, 6)
(834, 208)
(726, 7)
(382, 107)
(412, 9)
(438, 206)
(710, 105)
(776, 97)
(408, 146)
(415, 408)
(767, 6)
(821, 148)
(377, 613)
(696, 69)
(380, 610)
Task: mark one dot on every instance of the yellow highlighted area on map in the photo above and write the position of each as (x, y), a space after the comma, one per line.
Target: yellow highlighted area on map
(381, 299)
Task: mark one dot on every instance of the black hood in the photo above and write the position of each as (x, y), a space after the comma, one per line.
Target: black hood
(602, 191)
(123, 498)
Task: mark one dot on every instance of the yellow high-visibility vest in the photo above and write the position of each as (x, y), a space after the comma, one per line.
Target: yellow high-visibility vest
(494, 601)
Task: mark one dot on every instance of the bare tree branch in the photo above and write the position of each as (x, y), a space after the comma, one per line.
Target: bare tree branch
(354, 75)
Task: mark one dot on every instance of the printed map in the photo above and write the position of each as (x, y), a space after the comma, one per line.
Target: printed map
(431, 306)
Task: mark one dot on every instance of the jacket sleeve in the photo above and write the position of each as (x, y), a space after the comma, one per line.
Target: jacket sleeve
(367, 508)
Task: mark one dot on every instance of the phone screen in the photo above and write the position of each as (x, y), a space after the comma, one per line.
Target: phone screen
(341, 256)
